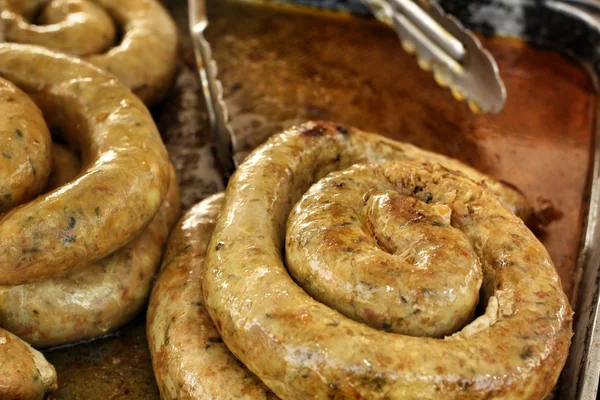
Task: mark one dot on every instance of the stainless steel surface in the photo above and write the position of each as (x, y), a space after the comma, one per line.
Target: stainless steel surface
(222, 135)
(444, 46)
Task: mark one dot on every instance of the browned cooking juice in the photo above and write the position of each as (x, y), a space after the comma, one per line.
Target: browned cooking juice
(280, 66)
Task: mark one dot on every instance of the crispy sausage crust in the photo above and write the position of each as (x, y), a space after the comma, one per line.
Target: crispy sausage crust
(189, 358)
(96, 299)
(24, 148)
(24, 372)
(301, 348)
(124, 179)
(144, 60)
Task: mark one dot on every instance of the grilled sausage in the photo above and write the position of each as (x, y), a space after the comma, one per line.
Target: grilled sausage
(24, 148)
(145, 58)
(123, 183)
(24, 372)
(96, 299)
(301, 348)
(189, 358)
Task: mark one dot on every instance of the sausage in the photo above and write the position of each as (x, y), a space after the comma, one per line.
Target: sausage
(189, 358)
(65, 166)
(24, 372)
(123, 183)
(94, 300)
(144, 60)
(301, 348)
(24, 148)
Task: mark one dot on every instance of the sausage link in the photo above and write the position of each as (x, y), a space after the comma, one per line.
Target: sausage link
(123, 182)
(24, 372)
(94, 300)
(144, 60)
(189, 358)
(301, 348)
(24, 148)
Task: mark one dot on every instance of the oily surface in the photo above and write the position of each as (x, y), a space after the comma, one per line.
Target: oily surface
(294, 66)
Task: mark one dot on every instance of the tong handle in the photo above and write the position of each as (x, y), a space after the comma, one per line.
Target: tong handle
(431, 28)
(221, 132)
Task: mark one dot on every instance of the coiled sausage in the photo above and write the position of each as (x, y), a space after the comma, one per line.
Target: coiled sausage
(402, 206)
(125, 173)
(145, 58)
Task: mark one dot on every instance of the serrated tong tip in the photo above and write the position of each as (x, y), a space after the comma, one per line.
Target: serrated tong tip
(443, 46)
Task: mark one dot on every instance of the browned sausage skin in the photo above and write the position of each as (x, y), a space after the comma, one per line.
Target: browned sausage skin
(24, 148)
(189, 358)
(301, 348)
(125, 168)
(145, 58)
(98, 298)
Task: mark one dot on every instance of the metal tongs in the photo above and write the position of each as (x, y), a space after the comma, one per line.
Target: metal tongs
(222, 135)
(444, 46)
(440, 42)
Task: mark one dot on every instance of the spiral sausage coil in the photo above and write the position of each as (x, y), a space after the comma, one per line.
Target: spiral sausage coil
(78, 260)
(343, 265)
(144, 58)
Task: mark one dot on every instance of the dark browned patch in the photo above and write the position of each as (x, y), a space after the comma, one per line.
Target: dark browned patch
(342, 129)
(315, 131)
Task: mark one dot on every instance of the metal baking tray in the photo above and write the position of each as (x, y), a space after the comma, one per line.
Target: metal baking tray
(284, 65)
